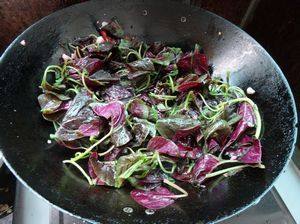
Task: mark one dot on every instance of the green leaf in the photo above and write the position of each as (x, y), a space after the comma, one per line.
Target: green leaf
(220, 126)
(121, 137)
(167, 127)
(124, 44)
(127, 165)
(151, 126)
(142, 129)
(153, 114)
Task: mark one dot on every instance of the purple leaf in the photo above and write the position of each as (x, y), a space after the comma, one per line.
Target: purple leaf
(116, 92)
(184, 135)
(120, 137)
(140, 67)
(65, 105)
(79, 120)
(247, 121)
(90, 129)
(153, 177)
(167, 127)
(194, 154)
(193, 62)
(184, 64)
(114, 111)
(153, 199)
(141, 130)
(113, 155)
(213, 146)
(103, 173)
(91, 65)
(163, 146)
(185, 177)
(188, 85)
(171, 68)
(100, 78)
(152, 180)
(78, 103)
(248, 152)
(203, 166)
(78, 127)
(138, 108)
(49, 103)
(67, 135)
(112, 27)
(200, 64)
(156, 47)
(103, 76)
(74, 145)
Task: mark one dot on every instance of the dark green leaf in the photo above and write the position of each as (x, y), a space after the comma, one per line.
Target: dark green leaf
(142, 129)
(167, 127)
(121, 137)
(218, 126)
(126, 165)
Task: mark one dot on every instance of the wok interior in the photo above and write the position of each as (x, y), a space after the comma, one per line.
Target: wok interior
(24, 134)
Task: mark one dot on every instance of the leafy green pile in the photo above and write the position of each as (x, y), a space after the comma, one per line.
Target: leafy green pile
(147, 115)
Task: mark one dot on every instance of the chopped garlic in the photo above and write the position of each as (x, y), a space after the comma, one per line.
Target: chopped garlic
(23, 42)
(250, 91)
(73, 56)
(49, 141)
(99, 40)
(104, 23)
(66, 57)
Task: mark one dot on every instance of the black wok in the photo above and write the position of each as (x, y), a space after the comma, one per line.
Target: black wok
(24, 134)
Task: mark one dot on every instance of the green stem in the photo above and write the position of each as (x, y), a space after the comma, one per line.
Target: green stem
(90, 45)
(145, 86)
(132, 169)
(84, 84)
(73, 80)
(80, 169)
(49, 69)
(162, 167)
(228, 161)
(87, 151)
(163, 97)
(187, 100)
(209, 107)
(172, 84)
(184, 193)
(140, 50)
(219, 172)
(135, 53)
(107, 151)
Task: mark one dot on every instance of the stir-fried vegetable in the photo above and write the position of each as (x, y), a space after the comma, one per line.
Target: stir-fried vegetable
(149, 115)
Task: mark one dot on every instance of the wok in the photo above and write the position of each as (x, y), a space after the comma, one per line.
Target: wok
(38, 165)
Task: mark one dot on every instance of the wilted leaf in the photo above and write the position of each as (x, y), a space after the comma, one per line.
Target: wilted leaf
(167, 127)
(114, 111)
(247, 121)
(138, 108)
(153, 199)
(116, 92)
(121, 137)
(249, 151)
(103, 173)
